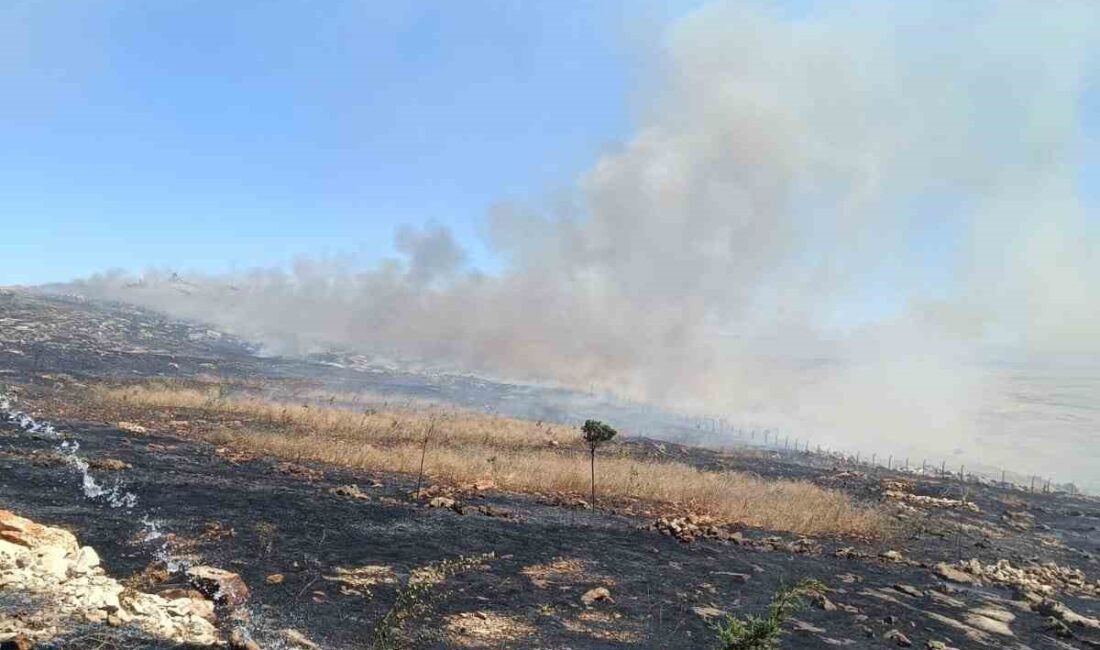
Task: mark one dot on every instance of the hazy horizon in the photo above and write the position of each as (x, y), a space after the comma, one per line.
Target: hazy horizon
(662, 204)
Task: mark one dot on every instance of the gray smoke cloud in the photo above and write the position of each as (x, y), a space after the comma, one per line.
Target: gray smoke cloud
(864, 225)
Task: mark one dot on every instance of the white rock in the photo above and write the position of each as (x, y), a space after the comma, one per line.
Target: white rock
(86, 560)
(53, 562)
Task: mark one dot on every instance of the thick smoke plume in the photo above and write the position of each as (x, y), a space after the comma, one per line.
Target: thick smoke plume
(864, 226)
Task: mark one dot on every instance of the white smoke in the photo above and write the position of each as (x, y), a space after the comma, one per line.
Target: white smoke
(836, 222)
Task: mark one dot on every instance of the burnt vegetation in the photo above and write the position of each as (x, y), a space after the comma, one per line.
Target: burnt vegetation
(300, 485)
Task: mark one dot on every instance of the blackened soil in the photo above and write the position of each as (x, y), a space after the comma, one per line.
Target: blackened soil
(289, 524)
(258, 517)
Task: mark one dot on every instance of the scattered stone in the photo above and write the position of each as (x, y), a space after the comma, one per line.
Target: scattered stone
(1058, 628)
(275, 579)
(357, 581)
(892, 556)
(351, 491)
(1043, 579)
(1020, 520)
(804, 546)
(174, 593)
(595, 595)
(130, 427)
(806, 628)
(441, 502)
(298, 471)
(739, 578)
(109, 464)
(221, 586)
(909, 590)
(944, 599)
(688, 529)
(193, 604)
(898, 638)
(823, 602)
(298, 640)
(1057, 610)
(708, 613)
(991, 620)
(952, 574)
(239, 639)
(491, 511)
(930, 502)
(481, 485)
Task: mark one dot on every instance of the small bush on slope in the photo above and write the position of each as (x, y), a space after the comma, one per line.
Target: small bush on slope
(763, 632)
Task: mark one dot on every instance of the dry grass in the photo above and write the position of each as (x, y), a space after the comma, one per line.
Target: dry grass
(518, 455)
(486, 629)
(394, 425)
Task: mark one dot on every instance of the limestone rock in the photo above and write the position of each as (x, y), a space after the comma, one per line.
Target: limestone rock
(898, 638)
(130, 427)
(708, 613)
(67, 583)
(441, 502)
(221, 586)
(948, 572)
(26, 533)
(296, 639)
(595, 595)
(351, 490)
(87, 560)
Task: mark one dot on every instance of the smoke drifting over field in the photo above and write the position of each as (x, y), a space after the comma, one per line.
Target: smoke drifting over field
(828, 224)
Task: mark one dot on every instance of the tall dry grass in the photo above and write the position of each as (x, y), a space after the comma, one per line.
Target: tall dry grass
(370, 424)
(518, 455)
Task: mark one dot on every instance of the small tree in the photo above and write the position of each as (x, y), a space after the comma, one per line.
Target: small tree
(595, 434)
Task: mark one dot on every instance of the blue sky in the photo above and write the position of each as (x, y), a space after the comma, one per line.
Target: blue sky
(212, 135)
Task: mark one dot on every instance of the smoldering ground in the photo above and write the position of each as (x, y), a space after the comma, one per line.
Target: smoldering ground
(866, 224)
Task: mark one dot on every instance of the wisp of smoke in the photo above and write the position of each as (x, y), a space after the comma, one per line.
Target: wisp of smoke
(864, 224)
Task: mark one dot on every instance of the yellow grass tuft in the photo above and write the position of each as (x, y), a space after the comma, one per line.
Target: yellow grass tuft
(519, 455)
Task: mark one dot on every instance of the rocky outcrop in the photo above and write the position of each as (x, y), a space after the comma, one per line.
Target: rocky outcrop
(1039, 578)
(922, 501)
(69, 588)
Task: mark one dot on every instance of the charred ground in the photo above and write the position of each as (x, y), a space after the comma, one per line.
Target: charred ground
(264, 516)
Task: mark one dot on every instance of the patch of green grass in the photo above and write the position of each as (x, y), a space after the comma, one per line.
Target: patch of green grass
(763, 632)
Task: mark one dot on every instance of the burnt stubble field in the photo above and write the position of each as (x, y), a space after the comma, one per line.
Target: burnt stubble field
(328, 551)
